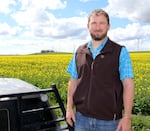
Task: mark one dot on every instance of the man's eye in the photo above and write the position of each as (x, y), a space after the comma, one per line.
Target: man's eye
(102, 23)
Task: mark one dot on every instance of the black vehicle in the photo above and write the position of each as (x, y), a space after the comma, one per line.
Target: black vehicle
(24, 107)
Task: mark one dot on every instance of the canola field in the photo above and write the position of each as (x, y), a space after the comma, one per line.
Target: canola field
(43, 70)
(141, 67)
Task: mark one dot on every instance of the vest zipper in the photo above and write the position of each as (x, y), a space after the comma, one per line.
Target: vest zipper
(92, 65)
(114, 117)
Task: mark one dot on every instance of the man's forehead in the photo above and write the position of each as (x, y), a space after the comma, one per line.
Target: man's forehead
(100, 17)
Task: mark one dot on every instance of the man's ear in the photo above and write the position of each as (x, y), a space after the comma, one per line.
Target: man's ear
(88, 26)
(108, 26)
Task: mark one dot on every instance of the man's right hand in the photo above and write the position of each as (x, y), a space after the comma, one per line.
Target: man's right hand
(70, 117)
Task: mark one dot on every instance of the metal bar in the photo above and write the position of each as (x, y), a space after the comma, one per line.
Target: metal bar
(19, 113)
(27, 93)
(40, 109)
(53, 86)
(45, 122)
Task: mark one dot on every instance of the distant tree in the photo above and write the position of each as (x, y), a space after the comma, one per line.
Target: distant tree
(47, 51)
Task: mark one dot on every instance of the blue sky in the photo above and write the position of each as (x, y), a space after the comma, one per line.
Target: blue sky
(29, 26)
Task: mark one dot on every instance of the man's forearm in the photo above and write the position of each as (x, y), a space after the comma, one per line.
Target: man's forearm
(71, 89)
(70, 116)
(128, 97)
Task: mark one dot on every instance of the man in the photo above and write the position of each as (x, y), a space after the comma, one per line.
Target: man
(101, 83)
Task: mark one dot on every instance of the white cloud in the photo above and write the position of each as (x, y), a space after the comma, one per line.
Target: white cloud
(130, 32)
(6, 30)
(136, 45)
(4, 6)
(43, 4)
(134, 10)
(133, 36)
(44, 24)
(65, 28)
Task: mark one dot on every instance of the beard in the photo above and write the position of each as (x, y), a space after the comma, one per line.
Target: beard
(98, 38)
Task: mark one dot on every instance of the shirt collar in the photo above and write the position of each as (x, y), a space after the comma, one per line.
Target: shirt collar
(99, 47)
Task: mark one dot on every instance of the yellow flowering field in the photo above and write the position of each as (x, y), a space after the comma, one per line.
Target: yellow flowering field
(141, 67)
(43, 70)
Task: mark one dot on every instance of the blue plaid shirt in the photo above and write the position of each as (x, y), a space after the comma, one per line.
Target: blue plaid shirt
(125, 66)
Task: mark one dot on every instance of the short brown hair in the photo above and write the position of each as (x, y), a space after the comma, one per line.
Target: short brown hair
(98, 12)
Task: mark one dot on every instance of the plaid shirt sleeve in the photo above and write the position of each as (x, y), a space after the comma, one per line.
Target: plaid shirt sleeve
(72, 69)
(125, 65)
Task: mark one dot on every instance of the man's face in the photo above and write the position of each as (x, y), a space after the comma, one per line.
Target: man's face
(98, 27)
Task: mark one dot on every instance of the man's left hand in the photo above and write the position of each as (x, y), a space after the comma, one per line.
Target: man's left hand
(124, 124)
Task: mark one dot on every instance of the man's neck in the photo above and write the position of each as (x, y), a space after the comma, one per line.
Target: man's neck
(96, 44)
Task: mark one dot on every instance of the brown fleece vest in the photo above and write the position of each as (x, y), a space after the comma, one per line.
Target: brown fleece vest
(99, 93)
